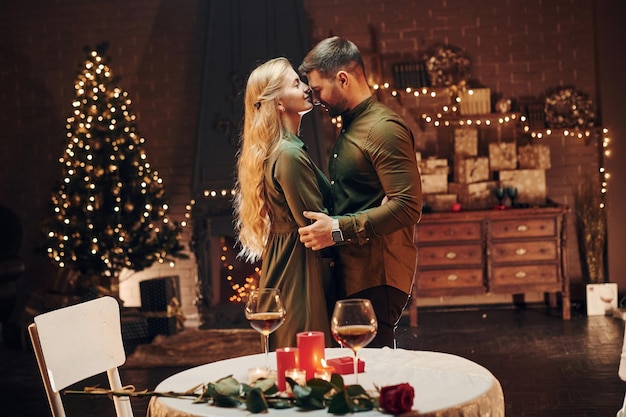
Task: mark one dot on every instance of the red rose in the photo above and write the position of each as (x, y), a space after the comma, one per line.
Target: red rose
(396, 399)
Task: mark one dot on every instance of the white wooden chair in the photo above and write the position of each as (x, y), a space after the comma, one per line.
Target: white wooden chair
(77, 342)
(622, 374)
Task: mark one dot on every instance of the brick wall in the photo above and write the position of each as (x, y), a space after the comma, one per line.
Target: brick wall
(155, 47)
(518, 48)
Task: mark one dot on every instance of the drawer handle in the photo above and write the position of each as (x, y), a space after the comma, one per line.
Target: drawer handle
(451, 255)
(520, 251)
(520, 274)
(522, 228)
(453, 277)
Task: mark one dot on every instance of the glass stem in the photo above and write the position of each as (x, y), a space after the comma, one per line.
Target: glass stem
(266, 339)
(356, 367)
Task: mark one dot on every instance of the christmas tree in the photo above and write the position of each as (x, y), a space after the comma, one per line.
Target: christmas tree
(110, 210)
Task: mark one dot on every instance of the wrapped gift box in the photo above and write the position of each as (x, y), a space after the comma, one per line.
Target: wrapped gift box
(471, 169)
(535, 156)
(475, 196)
(160, 304)
(530, 184)
(440, 202)
(345, 365)
(434, 183)
(466, 142)
(162, 325)
(135, 329)
(157, 293)
(430, 166)
(475, 101)
(502, 155)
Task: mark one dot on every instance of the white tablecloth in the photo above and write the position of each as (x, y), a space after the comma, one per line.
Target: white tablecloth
(445, 385)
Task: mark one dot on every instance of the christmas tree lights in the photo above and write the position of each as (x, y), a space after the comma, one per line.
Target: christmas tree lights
(109, 211)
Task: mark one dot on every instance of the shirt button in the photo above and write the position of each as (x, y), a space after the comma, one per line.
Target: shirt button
(332, 182)
(343, 130)
(334, 155)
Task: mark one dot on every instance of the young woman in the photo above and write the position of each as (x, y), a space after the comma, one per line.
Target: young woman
(276, 182)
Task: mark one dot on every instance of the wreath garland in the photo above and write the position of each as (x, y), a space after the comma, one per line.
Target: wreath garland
(568, 107)
(447, 65)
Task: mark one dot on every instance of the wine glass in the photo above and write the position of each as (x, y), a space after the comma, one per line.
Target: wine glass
(512, 193)
(354, 325)
(499, 192)
(266, 313)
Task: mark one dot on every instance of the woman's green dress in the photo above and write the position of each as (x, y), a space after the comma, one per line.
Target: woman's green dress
(293, 184)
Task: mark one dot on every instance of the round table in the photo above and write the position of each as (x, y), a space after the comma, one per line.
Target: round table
(445, 385)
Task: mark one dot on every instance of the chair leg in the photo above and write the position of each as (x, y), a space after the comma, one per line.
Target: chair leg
(122, 404)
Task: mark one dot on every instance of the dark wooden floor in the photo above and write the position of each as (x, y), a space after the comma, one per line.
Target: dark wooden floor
(547, 366)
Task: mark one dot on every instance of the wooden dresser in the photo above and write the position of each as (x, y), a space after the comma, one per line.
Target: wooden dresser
(513, 251)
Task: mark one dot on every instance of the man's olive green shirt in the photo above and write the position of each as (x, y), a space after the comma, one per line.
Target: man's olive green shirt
(374, 157)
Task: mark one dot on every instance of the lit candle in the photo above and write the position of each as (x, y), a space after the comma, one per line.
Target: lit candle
(324, 371)
(298, 375)
(286, 358)
(322, 374)
(311, 346)
(257, 373)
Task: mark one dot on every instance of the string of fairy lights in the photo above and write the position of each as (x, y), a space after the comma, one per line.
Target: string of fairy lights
(101, 119)
(448, 115)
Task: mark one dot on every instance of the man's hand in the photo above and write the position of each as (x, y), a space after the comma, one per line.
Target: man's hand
(317, 235)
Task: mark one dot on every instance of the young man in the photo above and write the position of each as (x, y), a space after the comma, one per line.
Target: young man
(375, 185)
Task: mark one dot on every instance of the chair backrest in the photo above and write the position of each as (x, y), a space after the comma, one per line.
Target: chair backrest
(77, 342)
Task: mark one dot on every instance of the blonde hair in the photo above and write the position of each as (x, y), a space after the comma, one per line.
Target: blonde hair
(262, 131)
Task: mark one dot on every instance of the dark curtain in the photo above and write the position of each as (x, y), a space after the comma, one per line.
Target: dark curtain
(240, 34)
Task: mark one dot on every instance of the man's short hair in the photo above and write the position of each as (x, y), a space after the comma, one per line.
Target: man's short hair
(332, 55)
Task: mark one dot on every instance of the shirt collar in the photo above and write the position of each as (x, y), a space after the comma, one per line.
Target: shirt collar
(350, 115)
(290, 137)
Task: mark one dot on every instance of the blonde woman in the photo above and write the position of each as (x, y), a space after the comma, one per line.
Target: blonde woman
(276, 182)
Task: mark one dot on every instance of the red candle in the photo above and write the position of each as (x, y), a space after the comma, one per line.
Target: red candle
(286, 358)
(311, 346)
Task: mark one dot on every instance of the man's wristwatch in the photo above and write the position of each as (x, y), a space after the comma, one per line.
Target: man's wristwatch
(336, 232)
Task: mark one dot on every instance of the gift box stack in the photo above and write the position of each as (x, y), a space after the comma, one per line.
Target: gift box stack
(135, 329)
(160, 301)
(434, 175)
(472, 182)
(528, 175)
(475, 176)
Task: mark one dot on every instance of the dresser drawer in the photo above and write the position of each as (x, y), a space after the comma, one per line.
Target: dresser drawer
(449, 255)
(525, 274)
(521, 228)
(448, 232)
(524, 251)
(450, 278)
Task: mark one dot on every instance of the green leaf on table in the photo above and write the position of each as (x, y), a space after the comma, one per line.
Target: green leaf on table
(352, 399)
(267, 385)
(255, 401)
(337, 381)
(359, 398)
(339, 403)
(321, 389)
(227, 386)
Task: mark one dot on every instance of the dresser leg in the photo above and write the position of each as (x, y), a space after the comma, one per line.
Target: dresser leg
(519, 300)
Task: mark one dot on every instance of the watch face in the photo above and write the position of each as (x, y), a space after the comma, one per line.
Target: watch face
(337, 236)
